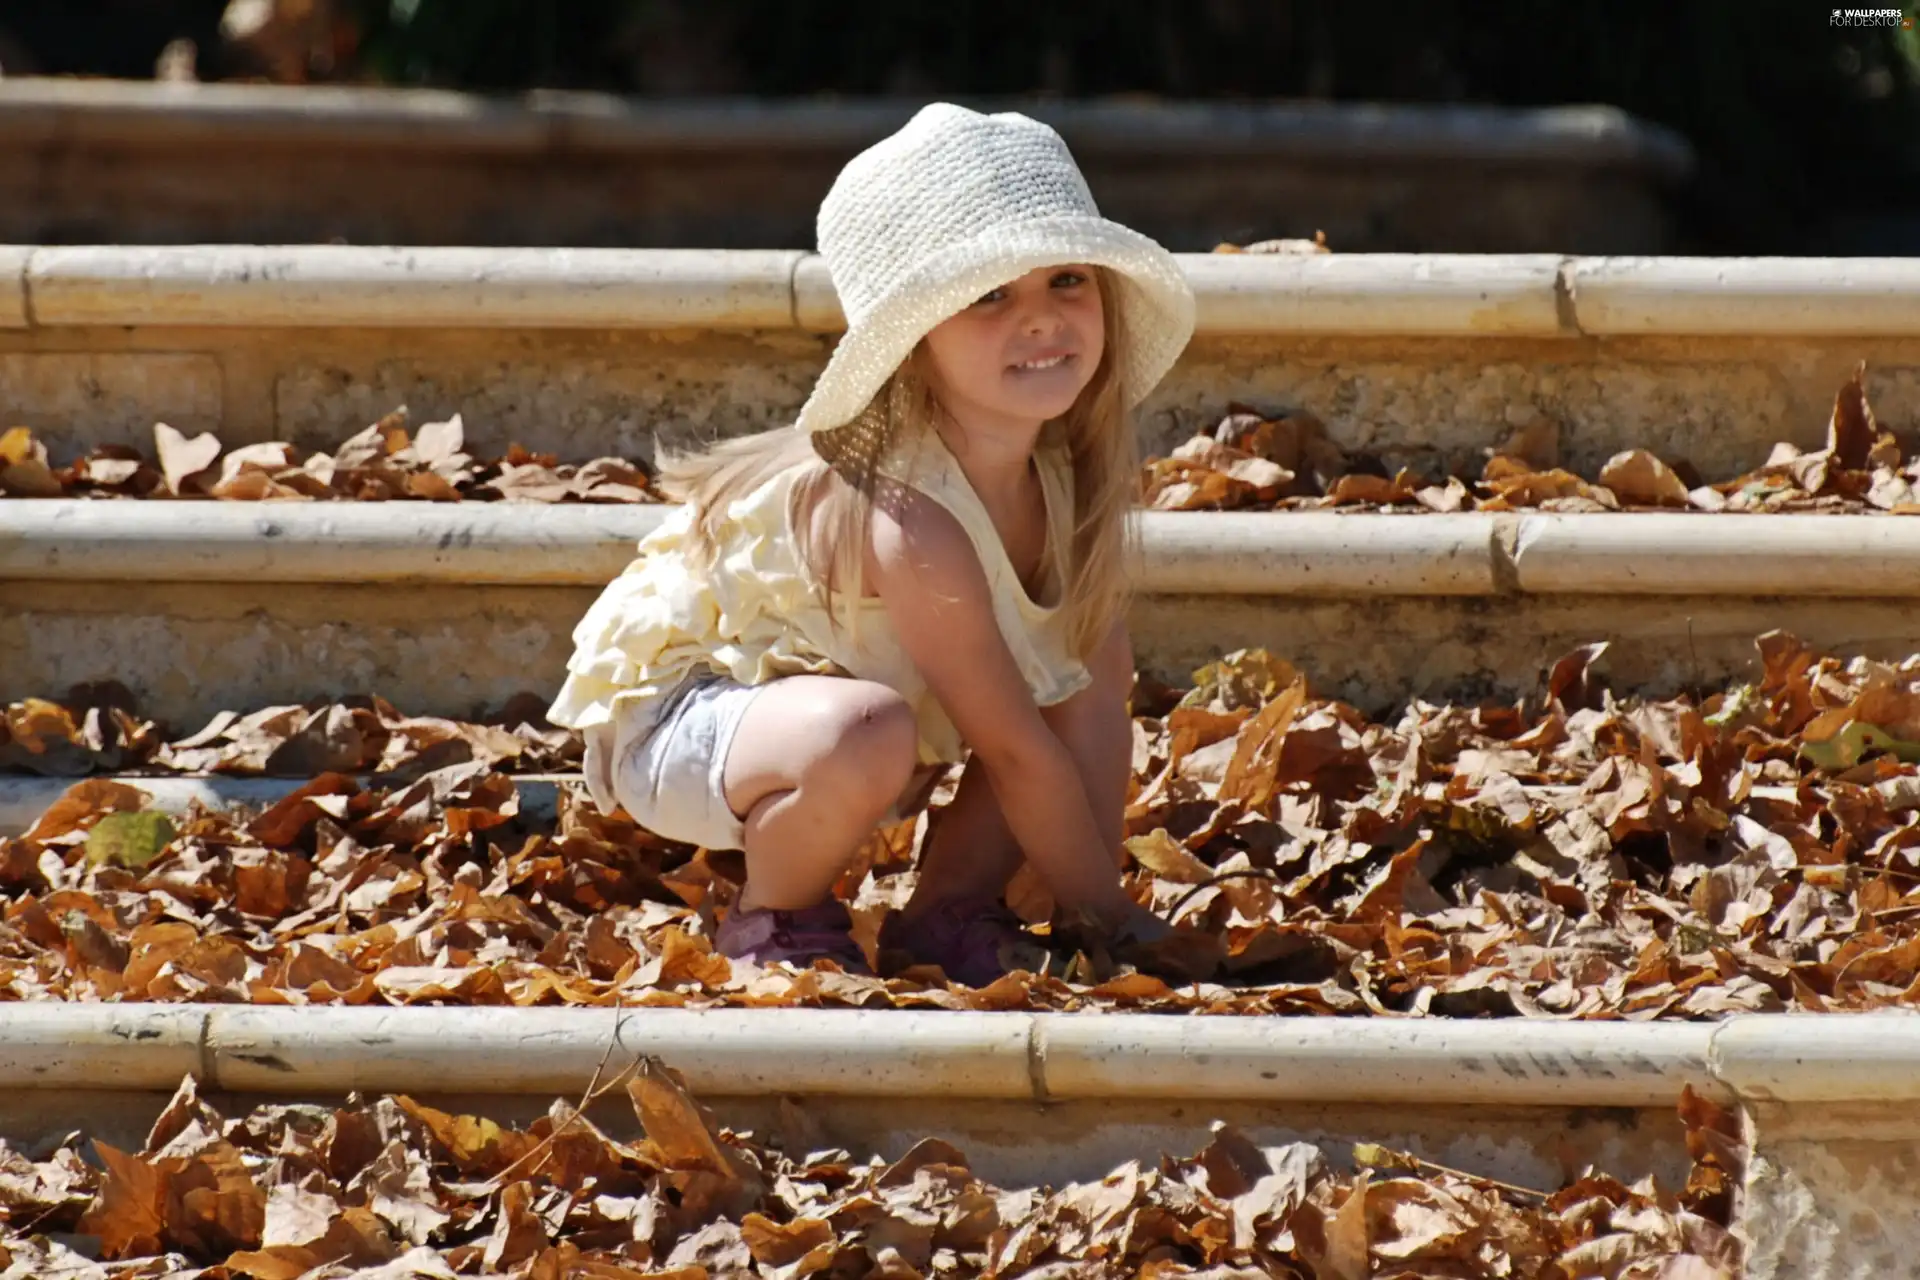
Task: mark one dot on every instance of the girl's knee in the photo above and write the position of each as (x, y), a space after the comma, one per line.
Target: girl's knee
(869, 745)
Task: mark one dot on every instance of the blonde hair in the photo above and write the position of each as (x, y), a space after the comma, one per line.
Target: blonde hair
(840, 474)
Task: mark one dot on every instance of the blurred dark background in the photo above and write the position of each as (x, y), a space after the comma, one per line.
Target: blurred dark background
(1807, 134)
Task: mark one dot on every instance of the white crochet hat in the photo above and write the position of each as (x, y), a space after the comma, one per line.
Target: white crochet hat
(955, 204)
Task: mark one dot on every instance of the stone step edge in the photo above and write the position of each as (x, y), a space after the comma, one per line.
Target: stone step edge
(1315, 553)
(1431, 295)
(1040, 1057)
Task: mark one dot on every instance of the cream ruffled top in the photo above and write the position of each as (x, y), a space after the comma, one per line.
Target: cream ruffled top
(757, 616)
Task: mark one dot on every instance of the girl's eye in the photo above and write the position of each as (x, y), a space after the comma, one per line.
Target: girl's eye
(1061, 280)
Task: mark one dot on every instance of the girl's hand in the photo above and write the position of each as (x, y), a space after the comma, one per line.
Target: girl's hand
(1151, 945)
(1141, 927)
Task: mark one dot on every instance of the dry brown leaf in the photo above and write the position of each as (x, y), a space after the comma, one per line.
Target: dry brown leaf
(673, 1120)
(1852, 432)
(30, 479)
(183, 461)
(83, 802)
(130, 1215)
(518, 1232)
(1161, 854)
(1640, 479)
(17, 445)
(1537, 488)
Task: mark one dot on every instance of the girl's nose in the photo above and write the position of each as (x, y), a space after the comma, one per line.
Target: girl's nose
(1041, 317)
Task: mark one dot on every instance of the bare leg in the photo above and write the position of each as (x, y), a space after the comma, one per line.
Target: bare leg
(814, 766)
(971, 850)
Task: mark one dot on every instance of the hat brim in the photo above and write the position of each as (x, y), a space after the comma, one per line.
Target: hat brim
(1155, 299)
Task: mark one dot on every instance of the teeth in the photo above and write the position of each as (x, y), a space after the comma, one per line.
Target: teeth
(1042, 364)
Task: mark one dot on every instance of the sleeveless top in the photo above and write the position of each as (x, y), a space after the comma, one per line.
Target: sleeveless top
(757, 616)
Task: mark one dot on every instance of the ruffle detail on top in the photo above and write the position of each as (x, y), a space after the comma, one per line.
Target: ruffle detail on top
(661, 619)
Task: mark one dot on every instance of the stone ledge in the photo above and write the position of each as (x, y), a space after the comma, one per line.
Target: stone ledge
(1800, 296)
(1249, 554)
(325, 285)
(1039, 1057)
(1044, 1057)
(1698, 554)
(1428, 294)
(1432, 295)
(1800, 1059)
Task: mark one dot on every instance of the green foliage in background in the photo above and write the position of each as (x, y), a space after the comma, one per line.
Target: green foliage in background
(1802, 129)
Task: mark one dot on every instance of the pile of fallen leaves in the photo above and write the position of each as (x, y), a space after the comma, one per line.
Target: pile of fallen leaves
(380, 463)
(1250, 461)
(97, 727)
(1247, 462)
(389, 1187)
(1573, 856)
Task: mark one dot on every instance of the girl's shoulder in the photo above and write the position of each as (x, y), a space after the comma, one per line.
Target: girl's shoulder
(927, 466)
(946, 515)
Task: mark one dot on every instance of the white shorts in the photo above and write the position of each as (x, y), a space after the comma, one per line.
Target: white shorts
(672, 781)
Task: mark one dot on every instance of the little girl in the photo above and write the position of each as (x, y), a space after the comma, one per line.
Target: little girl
(928, 564)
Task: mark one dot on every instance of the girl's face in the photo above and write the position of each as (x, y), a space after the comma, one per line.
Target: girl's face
(1023, 352)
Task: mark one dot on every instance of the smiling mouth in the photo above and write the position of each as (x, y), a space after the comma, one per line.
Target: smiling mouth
(1040, 366)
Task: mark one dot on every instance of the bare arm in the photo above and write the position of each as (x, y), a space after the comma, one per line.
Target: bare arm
(1096, 728)
(929, 578)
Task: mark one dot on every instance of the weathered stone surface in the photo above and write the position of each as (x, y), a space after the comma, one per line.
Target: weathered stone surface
(188, 651)
(1832, 1199)
(78, 398)
(1377, 653)
(191, 650)
(1718, 403)
(553, 392)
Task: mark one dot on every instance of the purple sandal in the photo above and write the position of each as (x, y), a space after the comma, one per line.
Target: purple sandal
(798, 937)
(975, 941)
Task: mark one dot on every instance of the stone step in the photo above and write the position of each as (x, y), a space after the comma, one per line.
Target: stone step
(454, 608)
(1425, 360)
(153, 163)
(1826, 1101)
(1422, 359)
